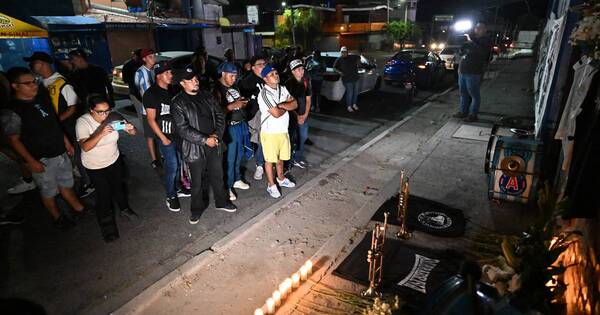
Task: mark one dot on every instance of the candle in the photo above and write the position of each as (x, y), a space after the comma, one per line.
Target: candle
(270, 306)
(258, 311)
(309, 266)
(277, 298)
(295, 280)
(303, 273)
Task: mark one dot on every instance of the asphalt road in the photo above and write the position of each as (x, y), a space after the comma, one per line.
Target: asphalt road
(75, 272)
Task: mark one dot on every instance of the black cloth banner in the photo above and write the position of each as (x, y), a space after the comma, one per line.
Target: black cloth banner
(425, 215)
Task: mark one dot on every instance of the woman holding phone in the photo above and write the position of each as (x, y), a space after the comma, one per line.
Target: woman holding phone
(97, 133)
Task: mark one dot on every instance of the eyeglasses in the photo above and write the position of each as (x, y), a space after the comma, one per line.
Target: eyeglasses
(102, 112)
(32, 82)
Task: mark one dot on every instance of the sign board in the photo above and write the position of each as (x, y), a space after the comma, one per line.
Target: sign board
(443, 18)
(252, 13)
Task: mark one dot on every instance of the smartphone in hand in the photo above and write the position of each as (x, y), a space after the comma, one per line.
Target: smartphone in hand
(118, 125)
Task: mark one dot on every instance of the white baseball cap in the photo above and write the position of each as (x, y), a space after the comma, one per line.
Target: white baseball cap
(344, 48)
(295, 64)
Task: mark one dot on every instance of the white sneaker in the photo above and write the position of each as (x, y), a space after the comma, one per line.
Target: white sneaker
(349, 108)
(286, 183)
(241, 185)
(258, 174)
(21, 187)
(232, 196)
(273, 191)
(355, 107)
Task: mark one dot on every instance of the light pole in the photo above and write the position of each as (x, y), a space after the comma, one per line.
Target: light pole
(387, 9)
(283, 4)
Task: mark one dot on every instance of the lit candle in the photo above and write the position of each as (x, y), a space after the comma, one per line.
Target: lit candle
(270, 306)
(295, 280)
(258, 311)
(277, 298)
(303, 273)
(309, 266)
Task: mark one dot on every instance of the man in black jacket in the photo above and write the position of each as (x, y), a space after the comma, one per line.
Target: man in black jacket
(200, 123)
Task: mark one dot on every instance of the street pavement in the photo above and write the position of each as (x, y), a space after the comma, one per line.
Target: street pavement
(75, 272)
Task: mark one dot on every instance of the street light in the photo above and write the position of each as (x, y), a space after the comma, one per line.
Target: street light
(463, 25)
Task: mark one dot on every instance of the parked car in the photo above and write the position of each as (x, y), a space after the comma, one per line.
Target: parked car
(450, 57)
(333, 89)
(178, 60)
(426, 66)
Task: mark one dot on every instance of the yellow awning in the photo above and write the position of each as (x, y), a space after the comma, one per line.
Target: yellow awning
(13, 28)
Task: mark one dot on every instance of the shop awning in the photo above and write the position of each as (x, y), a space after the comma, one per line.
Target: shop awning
(14, 28)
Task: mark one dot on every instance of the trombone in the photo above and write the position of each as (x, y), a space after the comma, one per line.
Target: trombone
(375, 259)
(403, 193)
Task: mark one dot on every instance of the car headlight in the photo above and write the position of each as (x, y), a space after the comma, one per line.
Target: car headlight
(433, 46)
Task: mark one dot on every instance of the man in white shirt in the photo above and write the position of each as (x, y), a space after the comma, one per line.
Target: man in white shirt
(274, 102)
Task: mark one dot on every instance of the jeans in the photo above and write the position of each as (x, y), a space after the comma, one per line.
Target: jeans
(351, 93)
(302, 136)
(316, 94)
(110, 187)
(169, 152)
(235, 154)
(211, 161)
(470, 98)
(258, 155)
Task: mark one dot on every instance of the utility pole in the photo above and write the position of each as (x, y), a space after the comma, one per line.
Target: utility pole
(387, 9)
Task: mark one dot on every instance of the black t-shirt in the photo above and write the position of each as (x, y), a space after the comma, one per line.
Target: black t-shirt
(37, 125)
(159, 99)
(225, 96)
(299, 90)
(250, 86)
(90, 80)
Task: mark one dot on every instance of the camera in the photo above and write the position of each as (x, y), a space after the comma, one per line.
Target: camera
(118, 125)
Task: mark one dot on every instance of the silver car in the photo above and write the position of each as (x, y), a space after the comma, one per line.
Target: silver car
(333, 89)
(450, 56)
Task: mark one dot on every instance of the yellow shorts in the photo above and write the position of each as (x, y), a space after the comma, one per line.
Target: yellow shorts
(275, 146)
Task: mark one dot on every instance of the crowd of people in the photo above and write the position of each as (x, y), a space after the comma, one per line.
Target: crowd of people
(198, 128)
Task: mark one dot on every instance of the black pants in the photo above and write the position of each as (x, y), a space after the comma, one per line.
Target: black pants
(110, 188)
(212, 163)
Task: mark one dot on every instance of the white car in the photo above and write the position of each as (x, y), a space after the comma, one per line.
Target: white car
(177, 59)
(450, 56)
(333, 89)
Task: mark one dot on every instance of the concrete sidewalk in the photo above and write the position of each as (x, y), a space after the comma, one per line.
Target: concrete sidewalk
(326, 216)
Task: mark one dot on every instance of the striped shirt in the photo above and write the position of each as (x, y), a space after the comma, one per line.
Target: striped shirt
(144, 78)
(269, 98)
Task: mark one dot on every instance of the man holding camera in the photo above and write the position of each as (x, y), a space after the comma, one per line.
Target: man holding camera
(200, 124)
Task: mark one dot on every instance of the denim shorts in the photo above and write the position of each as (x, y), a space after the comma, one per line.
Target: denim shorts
(58, 173)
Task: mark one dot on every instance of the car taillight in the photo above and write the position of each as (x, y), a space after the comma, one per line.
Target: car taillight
(391, 62)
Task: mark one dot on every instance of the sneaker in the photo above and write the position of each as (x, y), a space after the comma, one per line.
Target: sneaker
(76, 215)
(304, 163)
(184, 192)
(21, 187)
(232, 196)
(286, 182)
(12, 219)
(273, 191)
(308, 142)
(63, 223)
(258, 174)
(470, 118)
(297, 163)
(86, 190)
(155, 164)
(229, 207)
(241, 185)
(349, 109)
(195, 218)
(459, 115)
(129, 214)
(355, 107)
(173, 204)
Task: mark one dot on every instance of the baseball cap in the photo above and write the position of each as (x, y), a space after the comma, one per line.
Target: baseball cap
(296, 63)
(343, 48)
(266, 70)
(227, 67)
(186, 73)
(39, 55)
(146, 52)
(161, 67)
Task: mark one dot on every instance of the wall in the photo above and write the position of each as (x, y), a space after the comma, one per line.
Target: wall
(213, 41)
(122, 41)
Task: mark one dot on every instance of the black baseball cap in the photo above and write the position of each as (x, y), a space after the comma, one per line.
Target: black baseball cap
(186, 73)
(161, 67)
(39, 55)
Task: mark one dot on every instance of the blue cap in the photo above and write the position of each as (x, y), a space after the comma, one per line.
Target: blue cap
(228, 67)
(266, 70)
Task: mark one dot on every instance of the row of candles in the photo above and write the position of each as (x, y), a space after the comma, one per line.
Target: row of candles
(285, 288)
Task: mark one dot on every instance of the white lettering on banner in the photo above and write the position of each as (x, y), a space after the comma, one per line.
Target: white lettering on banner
(417, 278)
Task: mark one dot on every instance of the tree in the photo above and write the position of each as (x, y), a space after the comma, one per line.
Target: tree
(403, 31)
(306, 28)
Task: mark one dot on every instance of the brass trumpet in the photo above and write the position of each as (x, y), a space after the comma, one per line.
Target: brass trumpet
(375, 259)
(403, 194)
